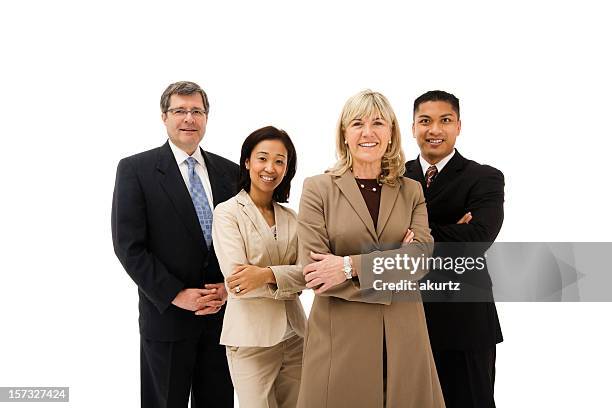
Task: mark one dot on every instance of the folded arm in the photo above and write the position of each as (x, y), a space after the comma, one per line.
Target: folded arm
(276, 282)
(324, 269)
(486, 206)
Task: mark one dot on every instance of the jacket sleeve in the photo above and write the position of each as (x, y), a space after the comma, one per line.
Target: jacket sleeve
(486, 203)
(129, 232)
(231, 252)
(312, 235)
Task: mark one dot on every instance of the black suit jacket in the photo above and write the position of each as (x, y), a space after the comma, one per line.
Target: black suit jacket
(463, 185)
(158, 239)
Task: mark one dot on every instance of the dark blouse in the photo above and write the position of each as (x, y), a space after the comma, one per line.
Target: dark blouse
(371, 197)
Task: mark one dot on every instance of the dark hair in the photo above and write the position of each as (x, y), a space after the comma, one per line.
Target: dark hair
(182, 88)
(437, 96)
(281, 193)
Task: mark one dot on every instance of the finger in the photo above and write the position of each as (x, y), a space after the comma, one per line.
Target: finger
(322, 289)
(205, 292)
(313, 283)
(311, 276)
(318, 257)
(239, 268)
(212, 303)
(214, 285)
(233, 278)
(207, 311)
(207, 298)
(311, 267)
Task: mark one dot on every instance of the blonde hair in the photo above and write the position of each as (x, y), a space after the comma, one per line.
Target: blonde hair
(364, 104)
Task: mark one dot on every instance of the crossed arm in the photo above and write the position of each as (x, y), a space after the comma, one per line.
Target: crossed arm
(281, 282)
(323, 270)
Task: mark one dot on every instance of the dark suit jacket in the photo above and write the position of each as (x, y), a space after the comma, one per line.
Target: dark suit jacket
(158, 239)
(463, 185)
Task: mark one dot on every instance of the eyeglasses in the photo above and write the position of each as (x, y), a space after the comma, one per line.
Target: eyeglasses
(181, 113)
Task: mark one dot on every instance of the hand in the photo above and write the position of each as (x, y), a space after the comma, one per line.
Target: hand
(326, 272)
(193, 299)
(221, 291)
(212, 302)
(408, 237)
(465, 219)
(249, 277)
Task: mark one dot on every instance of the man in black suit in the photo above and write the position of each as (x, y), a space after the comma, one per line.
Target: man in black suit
(465, 204)
(161, 218)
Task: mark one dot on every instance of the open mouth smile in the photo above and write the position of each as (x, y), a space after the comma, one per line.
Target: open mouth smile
(434, 142)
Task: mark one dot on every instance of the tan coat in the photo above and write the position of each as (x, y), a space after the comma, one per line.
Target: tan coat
(242, 236)
(343, 349)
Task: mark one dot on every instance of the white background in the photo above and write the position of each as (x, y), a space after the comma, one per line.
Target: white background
(80, 89)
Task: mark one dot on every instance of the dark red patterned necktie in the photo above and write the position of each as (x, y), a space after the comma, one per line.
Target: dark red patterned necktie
(430, 174)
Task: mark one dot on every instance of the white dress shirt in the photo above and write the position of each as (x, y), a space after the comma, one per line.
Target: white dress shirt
(439, 165)
(200, 170)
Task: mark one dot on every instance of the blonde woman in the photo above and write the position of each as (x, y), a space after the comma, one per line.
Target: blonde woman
(256, 244)
(364, 348)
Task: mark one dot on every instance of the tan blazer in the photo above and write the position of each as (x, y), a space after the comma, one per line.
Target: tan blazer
(242, 236)
(343, 354)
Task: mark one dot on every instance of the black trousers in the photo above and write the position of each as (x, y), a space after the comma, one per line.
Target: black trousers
(171, 371)
(467, 377)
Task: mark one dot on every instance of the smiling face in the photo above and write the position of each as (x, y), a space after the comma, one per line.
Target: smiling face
(435, 128)
(185, 131)
(267, 166)
(367, 138)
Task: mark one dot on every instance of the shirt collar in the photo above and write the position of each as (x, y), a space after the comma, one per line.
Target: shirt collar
(439, 165)
(180, 156)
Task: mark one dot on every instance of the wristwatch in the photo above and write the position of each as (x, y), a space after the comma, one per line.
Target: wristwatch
(347, 269)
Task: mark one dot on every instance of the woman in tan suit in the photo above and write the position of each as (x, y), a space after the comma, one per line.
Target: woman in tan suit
(256, 244)
(364, 347)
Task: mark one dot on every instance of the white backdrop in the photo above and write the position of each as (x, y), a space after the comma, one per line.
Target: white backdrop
(80, 89)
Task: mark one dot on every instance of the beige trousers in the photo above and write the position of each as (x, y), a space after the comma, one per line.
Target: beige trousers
(267, 377)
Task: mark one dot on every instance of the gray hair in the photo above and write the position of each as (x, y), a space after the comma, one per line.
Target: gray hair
(182, 88)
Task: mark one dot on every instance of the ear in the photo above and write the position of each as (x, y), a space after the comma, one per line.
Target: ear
(246, 164)
(413, 130)
(458, 127)
(164, 117)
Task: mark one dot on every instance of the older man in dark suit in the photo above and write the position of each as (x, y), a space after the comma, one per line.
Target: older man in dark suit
(161, 227)
(465, 204)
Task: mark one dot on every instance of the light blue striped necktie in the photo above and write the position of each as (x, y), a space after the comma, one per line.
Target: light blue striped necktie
(200, 201)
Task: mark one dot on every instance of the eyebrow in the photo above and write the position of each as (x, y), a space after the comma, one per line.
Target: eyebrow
(376, 118)
(262, 152)
(429, 117)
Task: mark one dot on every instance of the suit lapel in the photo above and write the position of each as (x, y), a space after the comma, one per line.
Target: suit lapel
(282, 233)
(259, 222)
(173, 184)
(414, 171)
(218, 180)
(448, 173)
(388, 196)
(348, 187)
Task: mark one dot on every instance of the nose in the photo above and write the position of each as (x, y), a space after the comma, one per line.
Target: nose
(367, 130)
(269, 166)
(435, 129)
(189, 117)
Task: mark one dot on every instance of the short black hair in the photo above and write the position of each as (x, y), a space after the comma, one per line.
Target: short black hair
(437, 96)
(281, 193)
